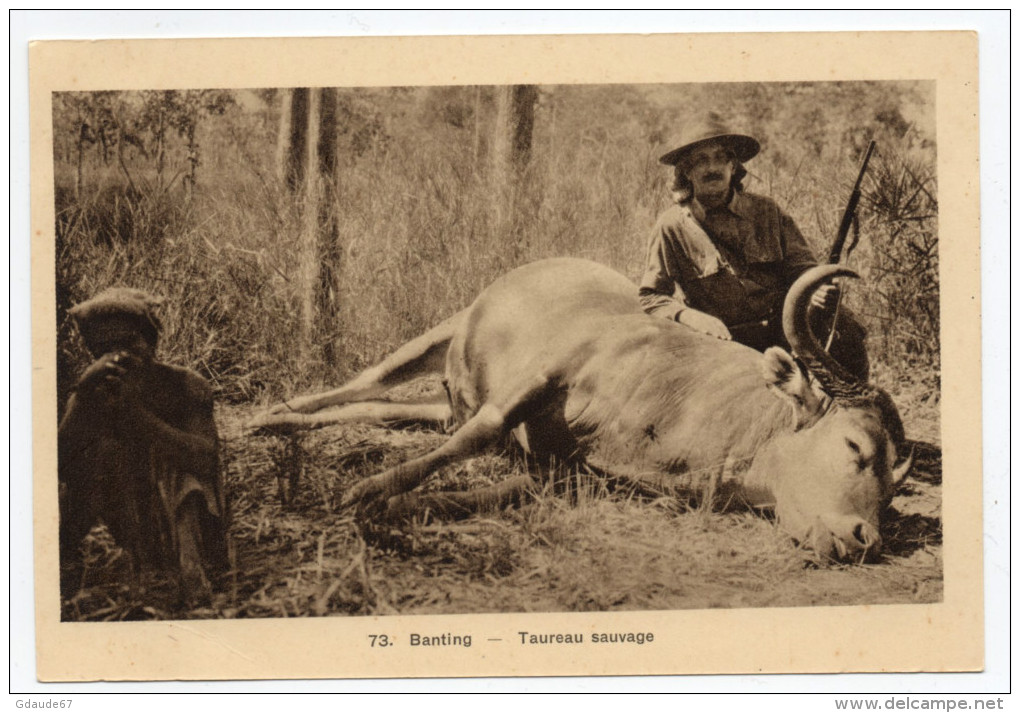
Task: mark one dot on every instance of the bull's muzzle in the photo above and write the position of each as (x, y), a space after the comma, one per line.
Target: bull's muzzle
(853, 541)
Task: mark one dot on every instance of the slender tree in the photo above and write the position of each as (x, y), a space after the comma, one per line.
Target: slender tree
(320, 252)
(476, 139)
(515, 120)
(307, 164)
(511, 147)
(292, 140)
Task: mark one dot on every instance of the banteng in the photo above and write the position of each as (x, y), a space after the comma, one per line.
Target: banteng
(560, 353)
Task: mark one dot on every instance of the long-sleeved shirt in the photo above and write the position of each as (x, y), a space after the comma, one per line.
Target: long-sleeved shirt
(740, 274)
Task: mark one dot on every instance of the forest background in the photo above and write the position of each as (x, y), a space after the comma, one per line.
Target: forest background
(299, 236)
(192, 195)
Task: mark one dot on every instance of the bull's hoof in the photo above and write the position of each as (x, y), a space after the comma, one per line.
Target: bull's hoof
(402, 507)
(363, 493)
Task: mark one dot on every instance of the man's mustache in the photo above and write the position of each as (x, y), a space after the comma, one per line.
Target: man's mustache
(713, 177)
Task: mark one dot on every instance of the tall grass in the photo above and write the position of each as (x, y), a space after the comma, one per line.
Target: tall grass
(419, 236)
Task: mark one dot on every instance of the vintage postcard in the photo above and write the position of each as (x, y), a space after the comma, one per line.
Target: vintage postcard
(506, 356)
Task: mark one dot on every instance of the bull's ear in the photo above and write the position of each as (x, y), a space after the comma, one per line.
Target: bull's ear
(785, 378)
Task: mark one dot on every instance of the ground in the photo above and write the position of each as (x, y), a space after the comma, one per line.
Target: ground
(296, 553)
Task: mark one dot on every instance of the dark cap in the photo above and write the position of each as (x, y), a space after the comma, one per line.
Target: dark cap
(136, 305)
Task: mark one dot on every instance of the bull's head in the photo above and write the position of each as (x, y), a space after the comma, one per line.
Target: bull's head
(834, 474)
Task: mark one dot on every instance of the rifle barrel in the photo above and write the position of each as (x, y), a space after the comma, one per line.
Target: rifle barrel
(851, 209)
(864, 166)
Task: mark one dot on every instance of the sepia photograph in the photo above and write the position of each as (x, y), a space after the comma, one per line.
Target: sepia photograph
(506, 372)
(418, 350)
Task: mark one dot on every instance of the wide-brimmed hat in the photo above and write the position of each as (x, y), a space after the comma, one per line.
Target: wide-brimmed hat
(137, 305)
(712, 128)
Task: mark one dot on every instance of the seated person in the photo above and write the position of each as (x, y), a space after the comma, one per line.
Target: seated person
(721, 260)
(138, 448)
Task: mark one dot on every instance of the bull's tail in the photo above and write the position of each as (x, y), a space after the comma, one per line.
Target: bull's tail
(419, 357)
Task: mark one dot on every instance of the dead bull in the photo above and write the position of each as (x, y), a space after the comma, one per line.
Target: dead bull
(560, 353)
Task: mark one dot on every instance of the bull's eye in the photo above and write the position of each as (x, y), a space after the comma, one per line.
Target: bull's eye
(858, 458)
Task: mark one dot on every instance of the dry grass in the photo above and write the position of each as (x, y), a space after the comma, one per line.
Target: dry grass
(588, 551)
(418, 231)
(418, 238)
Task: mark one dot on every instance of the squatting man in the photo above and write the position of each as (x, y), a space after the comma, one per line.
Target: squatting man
(138, 449)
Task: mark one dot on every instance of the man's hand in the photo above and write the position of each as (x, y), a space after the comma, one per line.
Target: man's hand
(825, 298)
(704, 322)
(105, 377)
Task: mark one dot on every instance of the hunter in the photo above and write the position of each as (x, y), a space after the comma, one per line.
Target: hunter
(721, 259)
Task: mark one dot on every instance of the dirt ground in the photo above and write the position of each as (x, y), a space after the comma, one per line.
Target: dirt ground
(297, 554)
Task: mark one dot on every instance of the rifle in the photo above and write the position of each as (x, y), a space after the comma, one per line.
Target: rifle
(850, 214)
(849, 219)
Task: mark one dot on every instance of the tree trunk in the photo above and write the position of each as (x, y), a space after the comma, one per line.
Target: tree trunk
(511, 152)
(283, 135)
(476, 143)
(515, 120)
(79, 175)
(329, 253)
(319, 259)
(160, 148)
(192, 177)
(292, 141)
(309, 247)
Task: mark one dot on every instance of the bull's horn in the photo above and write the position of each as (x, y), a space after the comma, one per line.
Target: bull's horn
(900, 472)
(834, 378)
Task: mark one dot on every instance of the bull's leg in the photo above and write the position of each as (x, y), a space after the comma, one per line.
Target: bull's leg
(462, 503)
(419, 357)
(386, 413)
(489, 425)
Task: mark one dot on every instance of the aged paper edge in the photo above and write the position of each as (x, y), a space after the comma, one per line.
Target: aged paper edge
(930, 637)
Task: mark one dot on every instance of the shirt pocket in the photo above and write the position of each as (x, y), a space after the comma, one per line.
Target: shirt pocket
(761, 238)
